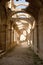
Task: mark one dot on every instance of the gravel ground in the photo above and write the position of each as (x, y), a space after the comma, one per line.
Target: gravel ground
(20, 56)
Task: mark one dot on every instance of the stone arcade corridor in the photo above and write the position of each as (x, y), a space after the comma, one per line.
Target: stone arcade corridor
(21, 32)
(20, 56)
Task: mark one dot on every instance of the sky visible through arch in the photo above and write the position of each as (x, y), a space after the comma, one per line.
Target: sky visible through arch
(21, 2)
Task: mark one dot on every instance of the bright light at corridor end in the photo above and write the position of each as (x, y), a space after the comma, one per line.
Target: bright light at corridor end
(22, 37)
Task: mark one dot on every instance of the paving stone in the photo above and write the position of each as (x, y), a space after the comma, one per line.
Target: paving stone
(21, 56)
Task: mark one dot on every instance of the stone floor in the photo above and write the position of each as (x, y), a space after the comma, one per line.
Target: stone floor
(20, 56)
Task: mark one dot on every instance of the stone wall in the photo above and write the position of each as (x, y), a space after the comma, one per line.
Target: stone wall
(6, 32)
(34, 39)
(37, 36)
(40, 27)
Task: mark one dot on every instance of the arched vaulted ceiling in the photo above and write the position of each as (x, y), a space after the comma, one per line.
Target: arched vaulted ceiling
(33, 8)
